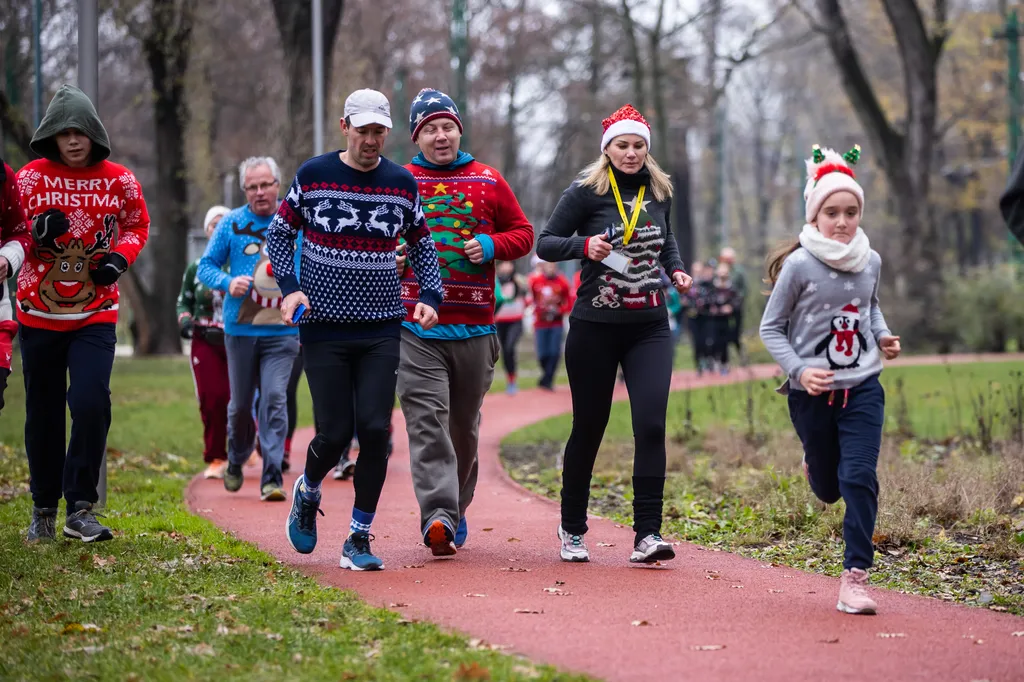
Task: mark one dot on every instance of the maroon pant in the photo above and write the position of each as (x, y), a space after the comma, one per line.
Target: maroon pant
(210, 372)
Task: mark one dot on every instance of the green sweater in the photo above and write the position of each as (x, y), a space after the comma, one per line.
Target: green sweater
(198, 301)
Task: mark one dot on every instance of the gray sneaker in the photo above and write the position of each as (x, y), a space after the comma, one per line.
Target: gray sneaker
(44, 524)
(82, 525)
(652, 548)
(233, 478)
(573, 547)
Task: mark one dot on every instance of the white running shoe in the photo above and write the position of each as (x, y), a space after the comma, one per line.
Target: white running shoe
(573, 547)
(652, 548)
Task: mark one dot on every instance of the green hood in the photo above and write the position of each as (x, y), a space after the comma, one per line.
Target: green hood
(70, 108)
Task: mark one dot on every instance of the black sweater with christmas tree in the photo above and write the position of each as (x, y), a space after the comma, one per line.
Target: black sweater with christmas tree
(605, 295)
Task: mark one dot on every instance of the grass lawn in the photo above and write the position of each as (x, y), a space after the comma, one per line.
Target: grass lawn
(951, 513)
(172, 597)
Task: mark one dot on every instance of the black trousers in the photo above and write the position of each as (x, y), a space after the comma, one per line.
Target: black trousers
(593, 353)
(352, 384)
(49, 358)
(508, 337)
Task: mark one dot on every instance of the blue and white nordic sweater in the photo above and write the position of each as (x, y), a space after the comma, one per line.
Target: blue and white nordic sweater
(350, 222)
(241, 241)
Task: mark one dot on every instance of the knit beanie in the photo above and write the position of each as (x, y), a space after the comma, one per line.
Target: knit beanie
(428, 105)
(828, 173)
(214, 212)
(625, 121)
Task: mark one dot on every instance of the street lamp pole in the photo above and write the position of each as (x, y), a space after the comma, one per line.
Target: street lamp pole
(460, 59)
(318, 77)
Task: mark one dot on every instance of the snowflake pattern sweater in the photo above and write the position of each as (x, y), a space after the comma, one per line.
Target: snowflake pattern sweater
(15, 238)
(55, 290)
(470, 202)
(604, 294)
(350, 222)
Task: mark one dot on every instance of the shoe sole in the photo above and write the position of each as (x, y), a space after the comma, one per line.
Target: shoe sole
(276, 495)
(665, 554)
(573, 559)
(75, 535)
(840, 606)
(348, 471)
(438, 540)
(295, 496)
(347, 563)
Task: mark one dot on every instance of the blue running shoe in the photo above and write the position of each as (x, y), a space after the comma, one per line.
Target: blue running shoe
(461, 533)
(301, 524)
(356, 554)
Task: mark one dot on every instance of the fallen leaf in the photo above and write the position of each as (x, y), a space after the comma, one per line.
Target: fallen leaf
(413, 566)
(552, 589)
(223, 630)
(736, 587)
(640, 623)
(1018, 501)
(90, 649)
(708, 647)
(397, 605)
(514, 540)
(1017, 634)
(405, 621)
(72, 628)
(526, 672)
(487, 530)
(473, 594)
(890, 635)
(297, 658)
(559, 582)
(468, 672)
(713, 577)
(91, 627)
(274, 636)
(527, 611)
(775, 591)
(515, 569)
(830, 640)
(998, 608)
(201, 649)
(101, 562)
(606, 544)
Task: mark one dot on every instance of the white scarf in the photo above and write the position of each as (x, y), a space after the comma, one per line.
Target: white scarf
(852, 257)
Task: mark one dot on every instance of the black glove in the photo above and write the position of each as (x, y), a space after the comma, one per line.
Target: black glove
(108, 269)
(186, 328)
(49, 226)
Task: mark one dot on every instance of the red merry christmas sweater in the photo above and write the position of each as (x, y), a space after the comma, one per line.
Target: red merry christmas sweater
(461, 205)
(550, 297)
(55, 290)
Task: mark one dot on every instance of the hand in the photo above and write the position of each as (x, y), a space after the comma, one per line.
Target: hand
(400, 259)
(424, 316)
(290, 303)
(890, 346)
(49, 226)
(727, 309)
(681, 281)
(108, 269)
(475, 252)
(185, 324)
(597, 248)
(816, 381)
(240, 285)
(5, 268)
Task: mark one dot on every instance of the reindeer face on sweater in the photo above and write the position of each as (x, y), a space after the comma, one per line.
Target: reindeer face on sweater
(264, 298)
(66, 286)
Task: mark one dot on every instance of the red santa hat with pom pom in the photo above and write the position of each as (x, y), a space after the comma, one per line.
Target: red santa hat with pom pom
(625, 121)
(829, 172)
(850, 310)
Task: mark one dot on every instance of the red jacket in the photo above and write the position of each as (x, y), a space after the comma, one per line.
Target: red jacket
(550, 299)
(15, 238)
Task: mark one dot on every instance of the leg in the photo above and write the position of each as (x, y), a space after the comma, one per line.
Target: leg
(209, 391)
(328, 366)
(243, 374)
(424, 393)
(276, 359)
(591, 360)
(44, 358)
(813, 419)
(375, 379)
(647, 366)
(293, 398)
(860, 438)
(515, 332)
(472, 370)
(90, 361)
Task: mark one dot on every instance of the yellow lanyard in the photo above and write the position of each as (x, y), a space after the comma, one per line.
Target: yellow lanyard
(628, 223)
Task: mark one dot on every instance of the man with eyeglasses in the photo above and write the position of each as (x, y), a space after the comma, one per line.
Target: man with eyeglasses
(261, 349)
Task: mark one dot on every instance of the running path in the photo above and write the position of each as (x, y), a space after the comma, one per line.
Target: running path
(774, 623)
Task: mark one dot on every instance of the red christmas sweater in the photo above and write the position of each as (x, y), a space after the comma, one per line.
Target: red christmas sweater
(461, 205)
(55, 290)
(551, 298)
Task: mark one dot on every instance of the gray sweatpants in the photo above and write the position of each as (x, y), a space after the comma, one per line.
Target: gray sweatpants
(265, 362)
(441, 386)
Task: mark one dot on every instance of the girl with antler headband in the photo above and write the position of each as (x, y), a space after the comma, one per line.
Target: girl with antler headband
(824, 327)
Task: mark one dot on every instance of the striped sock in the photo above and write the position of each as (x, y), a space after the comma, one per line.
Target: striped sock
(360, 522)
(307, 487)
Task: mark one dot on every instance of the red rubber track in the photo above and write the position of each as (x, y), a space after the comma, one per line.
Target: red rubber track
(774, 623)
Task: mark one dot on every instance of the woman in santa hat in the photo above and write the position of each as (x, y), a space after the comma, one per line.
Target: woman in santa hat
(824, 327)
(616, 219)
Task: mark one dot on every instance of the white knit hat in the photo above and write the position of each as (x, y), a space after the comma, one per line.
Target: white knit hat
(829, 172)
(214, 212)
(625, 121)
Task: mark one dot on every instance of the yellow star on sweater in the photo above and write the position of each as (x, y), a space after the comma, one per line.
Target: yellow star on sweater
(440, 188)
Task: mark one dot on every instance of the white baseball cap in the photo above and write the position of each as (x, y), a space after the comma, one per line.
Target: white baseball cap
(364, 107)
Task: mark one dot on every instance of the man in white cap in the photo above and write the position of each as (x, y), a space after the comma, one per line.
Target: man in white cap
(351, 207)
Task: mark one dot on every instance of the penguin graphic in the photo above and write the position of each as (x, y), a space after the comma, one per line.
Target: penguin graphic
(844, 342)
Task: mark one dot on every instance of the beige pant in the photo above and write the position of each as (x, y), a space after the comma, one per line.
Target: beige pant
(441, 386)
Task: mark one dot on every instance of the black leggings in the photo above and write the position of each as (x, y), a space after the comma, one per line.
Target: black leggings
(292, 398)
(508, 337)
(593, 353)
(340, 373)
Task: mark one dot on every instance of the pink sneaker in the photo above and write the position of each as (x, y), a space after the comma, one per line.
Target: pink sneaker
(853, 593)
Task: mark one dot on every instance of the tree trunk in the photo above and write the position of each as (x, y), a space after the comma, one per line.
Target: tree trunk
(635, 58)
(295, 25)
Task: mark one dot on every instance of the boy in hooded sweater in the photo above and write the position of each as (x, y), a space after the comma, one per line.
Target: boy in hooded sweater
(89, 223)
(14, 239)
(824, 326)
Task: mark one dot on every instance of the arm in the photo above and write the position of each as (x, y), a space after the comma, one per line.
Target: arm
(558, 240)
(134, 231)
(422, 254)
(774, 323)
(879, 327)
(281, 234)
(14, 233)
(513, 233)
(669, 255)
(215, 257)
(187, 295)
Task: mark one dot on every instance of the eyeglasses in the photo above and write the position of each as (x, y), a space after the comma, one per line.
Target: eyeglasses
(263, 187)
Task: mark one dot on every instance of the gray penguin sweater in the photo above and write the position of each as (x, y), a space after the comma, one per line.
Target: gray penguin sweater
(825, 318)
